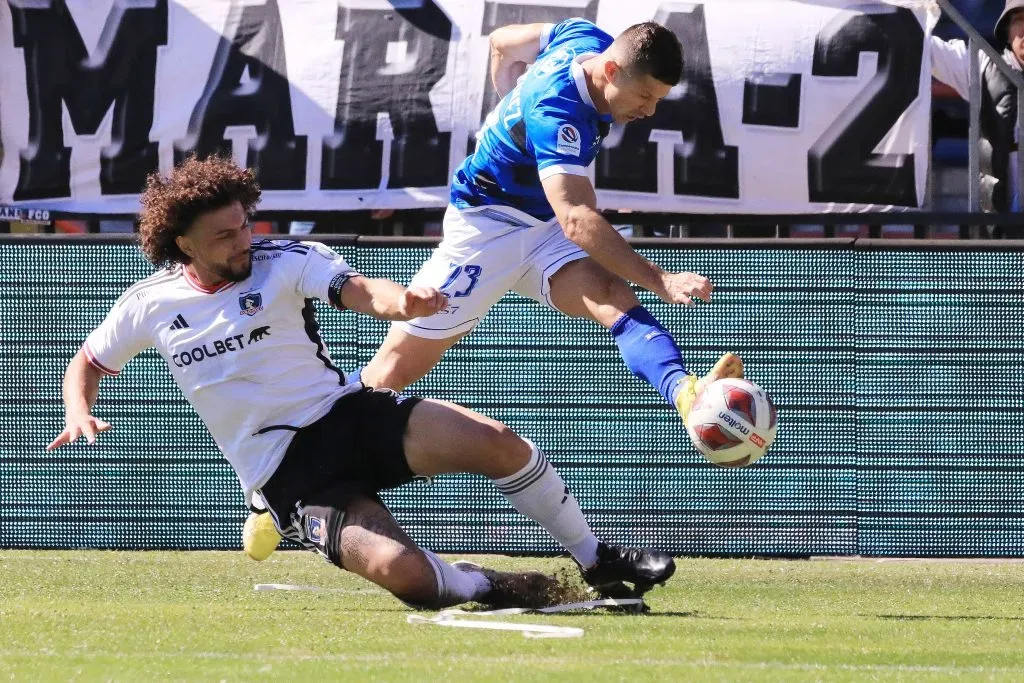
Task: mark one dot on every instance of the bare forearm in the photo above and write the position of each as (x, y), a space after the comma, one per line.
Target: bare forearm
(385, 300)
(81, 386)
(596, 236)
(388, 300)
(505, 73)
(513, 47)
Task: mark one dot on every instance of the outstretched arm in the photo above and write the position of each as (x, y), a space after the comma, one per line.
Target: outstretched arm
(574, 202)
(81, 388)
(513, 48)
(389, 300)
(951, 64)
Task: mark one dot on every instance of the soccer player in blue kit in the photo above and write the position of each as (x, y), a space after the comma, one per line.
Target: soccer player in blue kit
(523, 211)
(523, 217)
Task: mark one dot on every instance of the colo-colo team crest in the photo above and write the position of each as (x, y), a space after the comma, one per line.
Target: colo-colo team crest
(251, 303)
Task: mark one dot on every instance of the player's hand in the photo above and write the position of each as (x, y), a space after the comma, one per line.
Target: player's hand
(75, 426)
(683, 288)
(418, 302)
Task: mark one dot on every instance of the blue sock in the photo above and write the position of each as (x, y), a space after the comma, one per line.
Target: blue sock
(649, 351)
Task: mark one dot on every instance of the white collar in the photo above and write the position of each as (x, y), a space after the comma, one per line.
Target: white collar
(581, 78)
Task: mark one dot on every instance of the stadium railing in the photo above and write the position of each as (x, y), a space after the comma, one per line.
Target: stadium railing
(908, 225)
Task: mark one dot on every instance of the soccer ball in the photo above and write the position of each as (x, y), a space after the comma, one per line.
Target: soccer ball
(732, 423)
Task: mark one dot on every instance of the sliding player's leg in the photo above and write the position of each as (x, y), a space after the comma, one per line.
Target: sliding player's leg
(443, 437)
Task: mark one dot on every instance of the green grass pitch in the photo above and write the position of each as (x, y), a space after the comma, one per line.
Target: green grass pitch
(143, 616)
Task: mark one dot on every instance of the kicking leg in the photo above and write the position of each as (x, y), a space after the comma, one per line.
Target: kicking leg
(474, 270)
(584, 288)
(403, 359)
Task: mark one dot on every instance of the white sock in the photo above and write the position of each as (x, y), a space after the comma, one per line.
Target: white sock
(455, 586)
(538, 492)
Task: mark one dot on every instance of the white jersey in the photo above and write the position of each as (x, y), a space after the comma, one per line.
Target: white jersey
(247, 355)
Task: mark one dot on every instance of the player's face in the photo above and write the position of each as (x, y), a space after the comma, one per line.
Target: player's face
(220, 243)
(1015, 34)
(632, 97)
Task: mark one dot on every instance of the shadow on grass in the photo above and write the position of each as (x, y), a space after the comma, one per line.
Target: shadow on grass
(693, 615)
(604, 612)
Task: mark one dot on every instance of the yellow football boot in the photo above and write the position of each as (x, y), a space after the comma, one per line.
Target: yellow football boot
(259, 536)
(729, 366)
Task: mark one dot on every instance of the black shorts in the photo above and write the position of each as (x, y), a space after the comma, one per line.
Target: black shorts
(355, 449)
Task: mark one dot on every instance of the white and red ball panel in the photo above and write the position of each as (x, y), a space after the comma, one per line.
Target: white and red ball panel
(732, 423)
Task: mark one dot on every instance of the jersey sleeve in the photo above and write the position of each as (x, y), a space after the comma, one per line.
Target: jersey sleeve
(555, 35)
(119, 338)
(545, 37)
(323, 274)
(559, 141)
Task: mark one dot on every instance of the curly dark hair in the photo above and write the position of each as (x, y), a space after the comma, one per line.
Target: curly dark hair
(196, 186)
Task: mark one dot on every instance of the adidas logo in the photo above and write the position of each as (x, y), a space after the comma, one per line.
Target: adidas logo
(179, 323)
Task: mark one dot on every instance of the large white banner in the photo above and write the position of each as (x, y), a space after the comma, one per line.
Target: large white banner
(786, 106)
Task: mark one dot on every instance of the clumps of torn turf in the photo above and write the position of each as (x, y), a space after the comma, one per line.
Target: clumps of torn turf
(571, 587)
(576, 590)
(534, 590)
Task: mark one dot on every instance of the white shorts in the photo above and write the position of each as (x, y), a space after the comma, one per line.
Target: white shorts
(487, 251)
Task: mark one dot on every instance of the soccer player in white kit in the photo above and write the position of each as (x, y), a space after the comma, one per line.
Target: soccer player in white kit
(234, 320)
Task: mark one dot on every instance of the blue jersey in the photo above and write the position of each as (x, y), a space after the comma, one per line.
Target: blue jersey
(547, 125)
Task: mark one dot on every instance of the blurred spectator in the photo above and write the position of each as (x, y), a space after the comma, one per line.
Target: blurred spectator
(998, 144)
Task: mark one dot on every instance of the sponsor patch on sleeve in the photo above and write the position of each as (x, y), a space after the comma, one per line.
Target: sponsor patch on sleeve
(568, 140)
